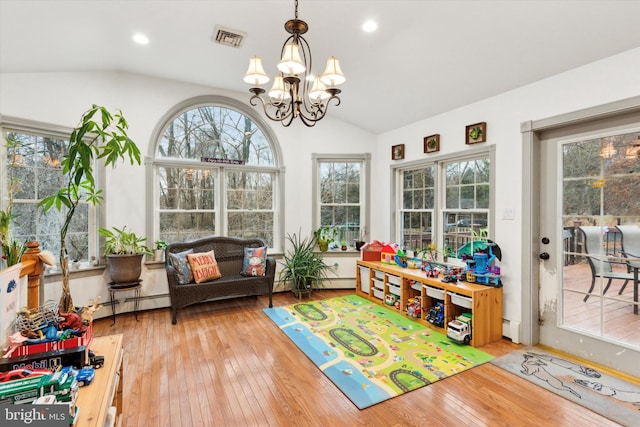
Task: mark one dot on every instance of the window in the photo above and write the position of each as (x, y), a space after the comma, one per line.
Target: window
(341, 185)
(216, 171)
(417, 208)
(33, 153)
(447, 202)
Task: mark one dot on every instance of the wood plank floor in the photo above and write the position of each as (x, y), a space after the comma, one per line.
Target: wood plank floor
(226, 364)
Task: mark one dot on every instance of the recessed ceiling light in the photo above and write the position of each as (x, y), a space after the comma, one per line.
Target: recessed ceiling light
(140, 38)
(369, 26)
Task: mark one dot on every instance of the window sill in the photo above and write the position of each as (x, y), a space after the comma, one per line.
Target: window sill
(79, 273)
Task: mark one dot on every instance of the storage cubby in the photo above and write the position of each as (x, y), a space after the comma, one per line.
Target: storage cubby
(483, 302)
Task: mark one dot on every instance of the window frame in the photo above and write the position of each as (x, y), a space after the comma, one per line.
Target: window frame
(153, 162)
(440, 208)
(365, 186)
(96, 213)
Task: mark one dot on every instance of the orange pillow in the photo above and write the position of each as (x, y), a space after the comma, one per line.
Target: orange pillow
(204, 266)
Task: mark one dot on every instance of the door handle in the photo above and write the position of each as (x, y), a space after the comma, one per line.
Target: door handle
(545, 256)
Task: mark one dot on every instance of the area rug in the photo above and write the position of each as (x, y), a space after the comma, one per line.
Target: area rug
(370, 352)
(609, 396)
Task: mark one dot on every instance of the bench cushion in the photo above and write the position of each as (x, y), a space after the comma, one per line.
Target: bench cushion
(204, 266)
(254, 262)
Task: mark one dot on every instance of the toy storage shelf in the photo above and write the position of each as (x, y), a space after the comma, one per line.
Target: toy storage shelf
(483, 302)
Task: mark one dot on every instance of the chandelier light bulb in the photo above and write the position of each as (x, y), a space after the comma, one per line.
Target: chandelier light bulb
(255, 73)
(318, 91)
(291, 63)
(277, 91)
(332, 75)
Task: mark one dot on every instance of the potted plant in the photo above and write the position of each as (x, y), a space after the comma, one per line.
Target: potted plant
(158, 252)
(324, 236)
(125, 251)
(99, 135)
(302, 268)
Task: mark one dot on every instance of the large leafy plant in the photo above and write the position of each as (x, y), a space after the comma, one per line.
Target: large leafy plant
(122, 242)
(10, 249)
(302, 267)
(99, 135)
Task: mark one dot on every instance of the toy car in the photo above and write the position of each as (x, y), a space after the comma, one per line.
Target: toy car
(18, 374)
(95, 360)
(85, 376)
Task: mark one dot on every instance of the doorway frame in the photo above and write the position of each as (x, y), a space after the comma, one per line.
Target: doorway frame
(532, 199)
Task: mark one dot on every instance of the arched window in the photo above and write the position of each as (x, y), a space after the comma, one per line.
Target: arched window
(216, 170)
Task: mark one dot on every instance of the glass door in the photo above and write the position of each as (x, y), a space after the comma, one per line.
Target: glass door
(590, 195)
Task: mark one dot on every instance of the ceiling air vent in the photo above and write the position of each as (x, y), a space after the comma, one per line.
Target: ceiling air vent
(228, 36)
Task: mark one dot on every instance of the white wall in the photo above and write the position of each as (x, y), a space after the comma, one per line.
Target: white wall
(612, 79)
(60, 98)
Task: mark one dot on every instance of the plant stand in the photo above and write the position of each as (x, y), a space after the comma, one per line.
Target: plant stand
(119, 287)
(300, 294)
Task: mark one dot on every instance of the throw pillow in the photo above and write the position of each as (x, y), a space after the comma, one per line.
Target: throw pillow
(204, 266)
(255, 261)
(180, 262)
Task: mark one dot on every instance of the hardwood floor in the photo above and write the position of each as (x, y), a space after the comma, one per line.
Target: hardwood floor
(226, 364)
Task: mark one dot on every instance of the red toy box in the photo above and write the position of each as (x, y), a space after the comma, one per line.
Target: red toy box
(28, 349)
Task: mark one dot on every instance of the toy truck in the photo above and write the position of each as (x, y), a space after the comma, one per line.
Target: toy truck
(459, 329)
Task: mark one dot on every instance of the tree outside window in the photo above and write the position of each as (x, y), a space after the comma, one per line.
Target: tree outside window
(216, 175)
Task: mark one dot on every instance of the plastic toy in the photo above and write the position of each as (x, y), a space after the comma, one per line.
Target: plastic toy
(18, 374)
(459, 329)
(85, 376)
(390, 299)
(436, 314)
(414, 307)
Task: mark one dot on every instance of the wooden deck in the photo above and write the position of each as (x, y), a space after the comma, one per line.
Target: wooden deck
(618, 320)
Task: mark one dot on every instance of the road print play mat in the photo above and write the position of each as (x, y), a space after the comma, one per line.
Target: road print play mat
(370, 352)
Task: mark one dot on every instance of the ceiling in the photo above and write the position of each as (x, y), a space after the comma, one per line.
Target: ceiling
(427, 57)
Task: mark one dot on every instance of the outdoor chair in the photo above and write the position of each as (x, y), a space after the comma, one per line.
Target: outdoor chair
(630, 246)
(601, 264)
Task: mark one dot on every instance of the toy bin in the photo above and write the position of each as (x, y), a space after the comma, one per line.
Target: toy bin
(394, 289)
(460, 300)
(435, 292)
(395, 280)
(378, 284)
(378, 293)
(364, 279)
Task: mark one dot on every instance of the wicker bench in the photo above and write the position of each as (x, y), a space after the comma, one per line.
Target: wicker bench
(229, 253)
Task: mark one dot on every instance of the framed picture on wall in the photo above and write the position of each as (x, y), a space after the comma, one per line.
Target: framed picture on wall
(432, 143)
(476, 133)
(397, 152)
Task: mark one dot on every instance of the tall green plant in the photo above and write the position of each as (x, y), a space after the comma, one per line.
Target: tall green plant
(10, 249)
(99, 135)
(302, 268)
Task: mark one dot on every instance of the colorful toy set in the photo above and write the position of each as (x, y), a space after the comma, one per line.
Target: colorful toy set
(414, 307)
(479, 265)
(436, 314)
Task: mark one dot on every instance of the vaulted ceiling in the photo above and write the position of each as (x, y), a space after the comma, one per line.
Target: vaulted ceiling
(426, 57)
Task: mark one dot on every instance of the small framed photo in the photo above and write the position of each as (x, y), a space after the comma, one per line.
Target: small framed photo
(432, 143)
(476, 133)
(397, 152)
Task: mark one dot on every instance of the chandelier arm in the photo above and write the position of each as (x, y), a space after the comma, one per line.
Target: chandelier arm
(281, 113)
(321, 111)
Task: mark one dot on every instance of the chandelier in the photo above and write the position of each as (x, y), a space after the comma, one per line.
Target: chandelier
(295, 93)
